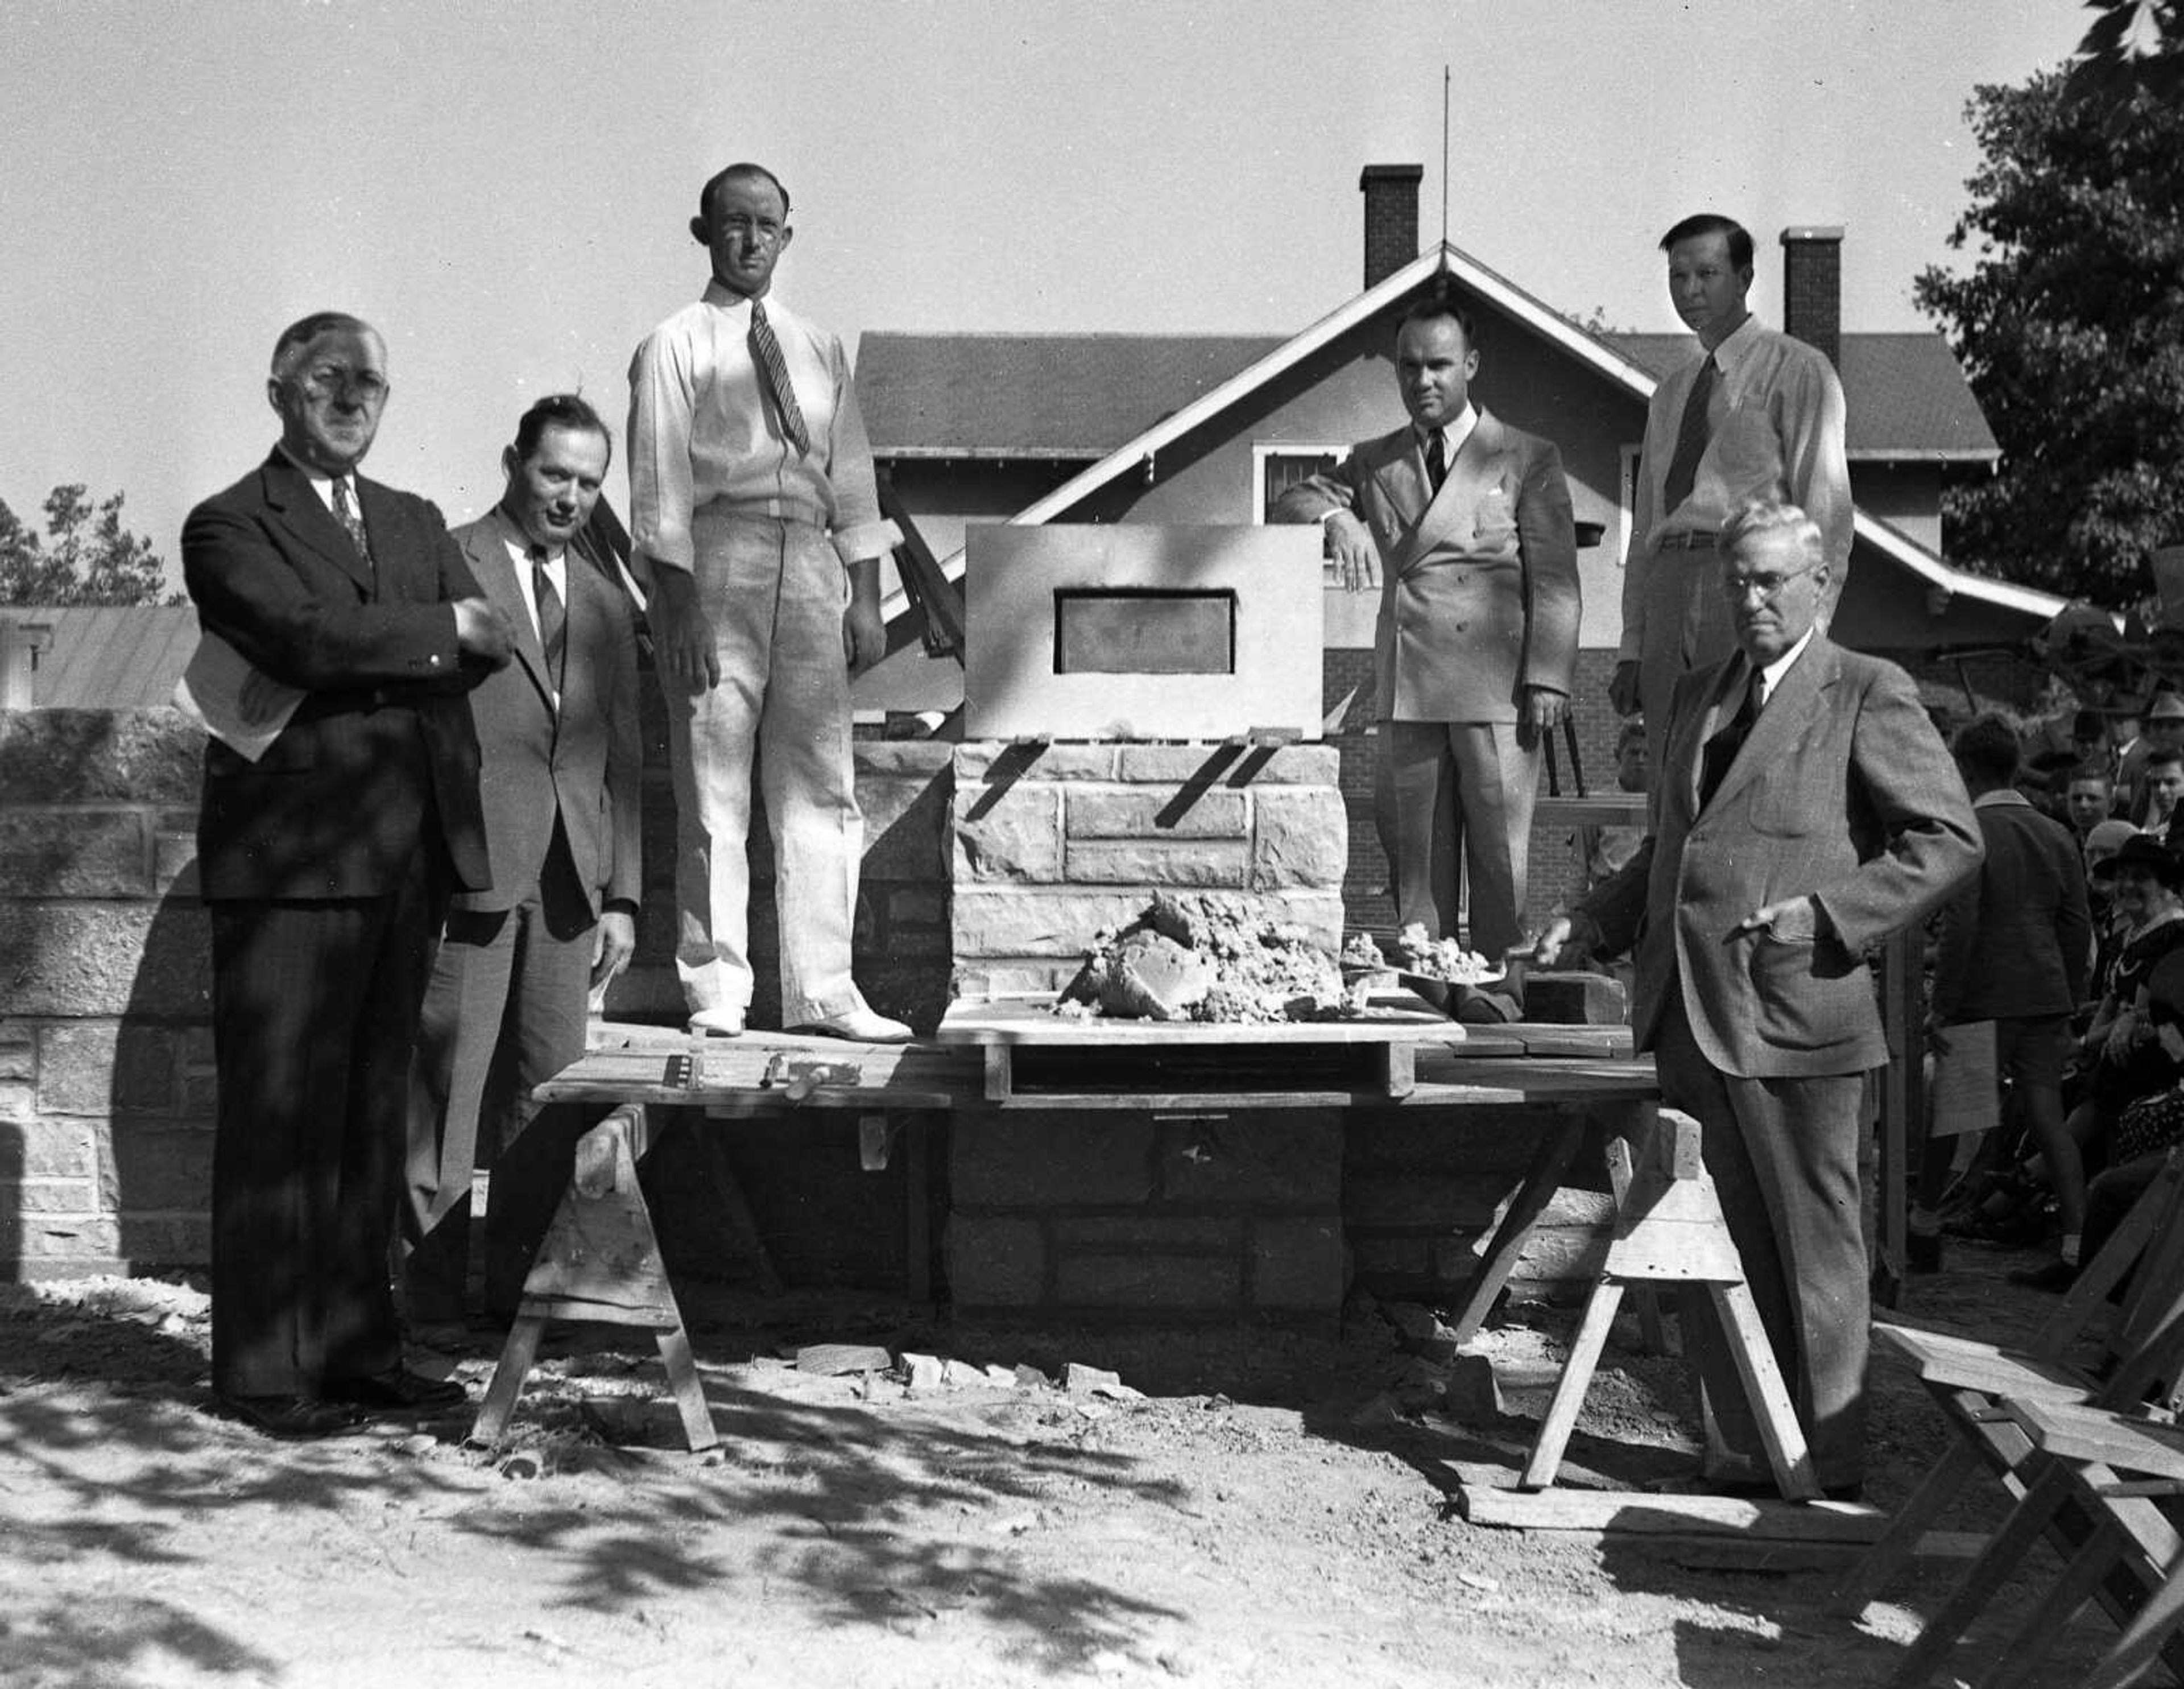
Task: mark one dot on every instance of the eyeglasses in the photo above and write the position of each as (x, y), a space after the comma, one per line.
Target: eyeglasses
(1737, 588)
(759, 234)
(331, 381)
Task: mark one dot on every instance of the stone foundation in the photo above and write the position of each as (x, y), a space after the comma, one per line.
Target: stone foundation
(1110, 1217)
(1052, 843)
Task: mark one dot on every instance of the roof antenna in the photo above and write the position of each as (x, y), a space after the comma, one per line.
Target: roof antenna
(1444, 167)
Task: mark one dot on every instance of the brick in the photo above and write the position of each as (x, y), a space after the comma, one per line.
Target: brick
(175, 864)
(1109, 812)
(911, 907)
(1468, 1140)
(994, 1261)
(905, 825)
(49, 1149)
(103, 1068)
(1008, 833)
(1207, 863)
(19, 1099)
(1028, 1159)
(1202, 1282)
(981, 762)
(1270, 1157)
(51, 1197)
(1012, 978)
(1132, 1233)
(1555, 1253)
(18, 1050)
(920, 761)
(101, 958)
(1309, 765)
(90, 756)
(1301, 838)
(145, 1168)
(1297, 1263)
(74, 853)
(1407, 1257)
(1013, 922)
(54, 1237)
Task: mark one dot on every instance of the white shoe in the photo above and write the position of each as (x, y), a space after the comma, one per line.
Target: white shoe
(718, 1022)
(858, 1025)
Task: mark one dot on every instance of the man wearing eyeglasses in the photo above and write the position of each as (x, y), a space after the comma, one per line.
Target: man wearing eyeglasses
(1756, 416)
(326, 858)
(1804, 809)
(756, 523)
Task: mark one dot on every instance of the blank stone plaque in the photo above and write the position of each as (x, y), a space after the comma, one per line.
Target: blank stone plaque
(1122, 630)
(1130, 630)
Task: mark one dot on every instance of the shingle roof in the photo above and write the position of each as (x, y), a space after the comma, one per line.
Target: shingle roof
(110, 657)
(1080, 396)
(1906, 394)
(1072, 396)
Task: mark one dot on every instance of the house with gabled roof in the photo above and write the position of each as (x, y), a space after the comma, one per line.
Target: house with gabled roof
(974, 427)
(1197, 428)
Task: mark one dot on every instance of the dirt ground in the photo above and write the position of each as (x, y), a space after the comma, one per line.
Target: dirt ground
(1275, 1512)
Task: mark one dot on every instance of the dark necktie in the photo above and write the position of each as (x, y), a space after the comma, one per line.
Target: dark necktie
(352, 519)
(1721, 750)
(553, 619)
(1691, 440)
(1436, 459)
(765, 353)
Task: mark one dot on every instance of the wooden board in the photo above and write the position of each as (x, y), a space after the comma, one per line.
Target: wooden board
(1485, 1495)
(1395, 1016)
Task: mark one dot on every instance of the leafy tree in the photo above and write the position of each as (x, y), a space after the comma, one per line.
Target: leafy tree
(85, 557)
(2070, 325)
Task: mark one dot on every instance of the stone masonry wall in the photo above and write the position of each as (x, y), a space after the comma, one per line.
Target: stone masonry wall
(1054, 842)
(107, 1084)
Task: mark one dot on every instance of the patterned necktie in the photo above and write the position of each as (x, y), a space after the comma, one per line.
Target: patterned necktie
(553, 619)
(765, 353)
(1436, 459)
(352, 520)
(1721, 750)
(1690, 439)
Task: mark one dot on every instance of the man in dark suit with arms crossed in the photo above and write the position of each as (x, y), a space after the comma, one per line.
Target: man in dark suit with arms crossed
(1804, 809)
(558, 735)
(326, 865)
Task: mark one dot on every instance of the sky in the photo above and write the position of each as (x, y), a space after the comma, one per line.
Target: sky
(504, 187)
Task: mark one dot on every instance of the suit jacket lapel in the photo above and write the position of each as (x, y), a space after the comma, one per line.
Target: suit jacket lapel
(288, 492)
(1477, 467)
(1801, 699)
(495, 571)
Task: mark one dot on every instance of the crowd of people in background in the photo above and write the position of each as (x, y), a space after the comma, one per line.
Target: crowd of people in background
(2071, 945)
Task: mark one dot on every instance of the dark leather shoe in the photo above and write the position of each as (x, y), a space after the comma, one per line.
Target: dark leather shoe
(397, 1390)
(289, 1417)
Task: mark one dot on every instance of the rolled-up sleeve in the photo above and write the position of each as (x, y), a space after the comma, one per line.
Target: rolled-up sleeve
(662, 395)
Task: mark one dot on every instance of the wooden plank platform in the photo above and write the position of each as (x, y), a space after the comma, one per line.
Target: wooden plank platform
(1032, 1054)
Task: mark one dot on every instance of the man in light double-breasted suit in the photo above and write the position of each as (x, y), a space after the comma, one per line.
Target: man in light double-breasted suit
(1804, 809)
(1465, 523)
(560, 768)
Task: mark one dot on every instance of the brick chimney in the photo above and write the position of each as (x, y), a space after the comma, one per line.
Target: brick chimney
(1391, 217)
(1812, 287)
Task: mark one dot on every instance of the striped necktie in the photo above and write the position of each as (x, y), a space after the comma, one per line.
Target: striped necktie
(553, 618)
(351, 519)
(765, 353)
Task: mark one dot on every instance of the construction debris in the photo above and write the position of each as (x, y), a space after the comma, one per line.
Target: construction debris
(1204, 957)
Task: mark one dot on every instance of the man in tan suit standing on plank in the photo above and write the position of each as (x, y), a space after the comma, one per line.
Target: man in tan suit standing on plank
(1464, 524)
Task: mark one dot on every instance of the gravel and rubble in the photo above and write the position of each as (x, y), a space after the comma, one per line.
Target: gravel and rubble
(986, 1507)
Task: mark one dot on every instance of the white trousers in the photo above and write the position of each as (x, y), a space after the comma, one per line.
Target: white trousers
(775, 592)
